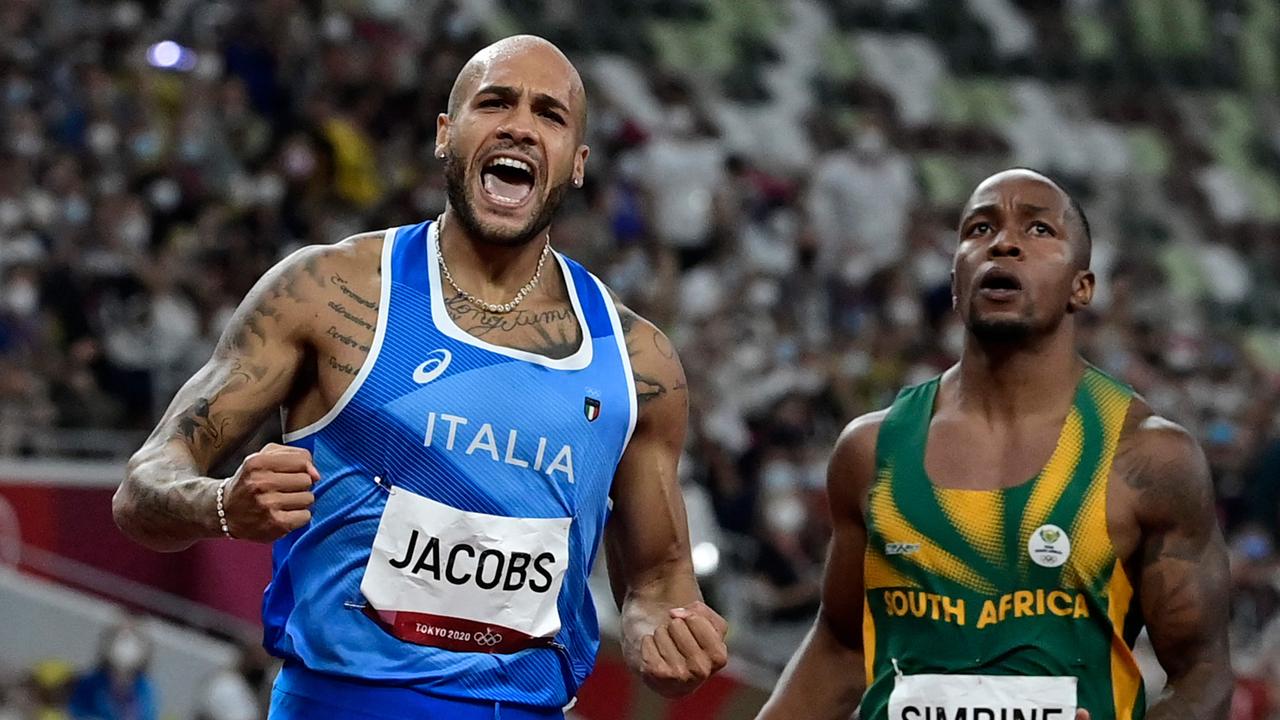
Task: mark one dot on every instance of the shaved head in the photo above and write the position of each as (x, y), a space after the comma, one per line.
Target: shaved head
(512, 139)
(512, 47)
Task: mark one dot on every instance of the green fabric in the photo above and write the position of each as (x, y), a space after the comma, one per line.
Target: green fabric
(1019, 603)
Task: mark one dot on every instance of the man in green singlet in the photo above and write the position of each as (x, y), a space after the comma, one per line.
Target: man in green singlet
(1003, 532)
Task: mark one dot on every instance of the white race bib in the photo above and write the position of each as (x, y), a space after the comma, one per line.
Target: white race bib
(465, 581)
(982, 697)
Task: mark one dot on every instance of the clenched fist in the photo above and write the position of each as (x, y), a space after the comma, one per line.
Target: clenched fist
(270, 495)
(681, 653)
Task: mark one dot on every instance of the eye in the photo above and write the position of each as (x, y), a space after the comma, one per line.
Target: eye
(1039, 228)
(980, 228)
(553, 116)
(493, 103)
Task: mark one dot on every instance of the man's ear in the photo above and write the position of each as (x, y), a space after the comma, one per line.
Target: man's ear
(1082, 287)
(442, 135)
(580, 165)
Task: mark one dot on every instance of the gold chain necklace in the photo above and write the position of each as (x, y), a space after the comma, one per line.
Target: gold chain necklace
(491, 307)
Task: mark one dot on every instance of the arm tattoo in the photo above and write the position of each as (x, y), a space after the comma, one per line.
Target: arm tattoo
(1182, 572)
(648, 386)
(165, 500)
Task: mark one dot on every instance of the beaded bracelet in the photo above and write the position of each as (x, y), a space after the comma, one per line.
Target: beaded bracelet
(222, 511)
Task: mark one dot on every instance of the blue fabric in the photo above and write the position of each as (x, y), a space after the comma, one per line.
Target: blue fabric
(300, 694)
(93, 699)
(502, 453)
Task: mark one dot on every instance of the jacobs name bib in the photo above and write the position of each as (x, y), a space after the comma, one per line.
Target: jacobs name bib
(465, 581)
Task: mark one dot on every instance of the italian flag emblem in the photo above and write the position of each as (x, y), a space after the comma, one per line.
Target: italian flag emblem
(591, 408)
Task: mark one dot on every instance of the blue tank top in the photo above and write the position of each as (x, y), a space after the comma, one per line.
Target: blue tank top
(527, 436)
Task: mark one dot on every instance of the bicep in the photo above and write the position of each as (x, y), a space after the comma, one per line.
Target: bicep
(1182, 575)
(1184, 594)
(247, 377)
(842, 584)
(648, 530)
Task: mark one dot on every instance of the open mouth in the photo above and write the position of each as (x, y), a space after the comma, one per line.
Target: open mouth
(507, 180)
(998, 283)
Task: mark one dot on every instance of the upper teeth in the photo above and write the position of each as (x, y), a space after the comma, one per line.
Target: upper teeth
(512, 163)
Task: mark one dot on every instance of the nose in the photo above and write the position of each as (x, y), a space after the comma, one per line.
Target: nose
(518, 127)
(1004, 246)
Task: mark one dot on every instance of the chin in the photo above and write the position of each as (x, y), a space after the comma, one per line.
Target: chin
(502, 229)
(1001, 330)
(498, 226)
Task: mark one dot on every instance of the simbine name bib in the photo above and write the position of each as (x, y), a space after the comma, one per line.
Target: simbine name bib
(982, 697)
(465, 581)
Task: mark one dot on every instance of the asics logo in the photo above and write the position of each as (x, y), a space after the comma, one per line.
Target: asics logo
(433, 367)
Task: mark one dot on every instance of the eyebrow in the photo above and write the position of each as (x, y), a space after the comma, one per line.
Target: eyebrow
(1027, 208)
(506, 92)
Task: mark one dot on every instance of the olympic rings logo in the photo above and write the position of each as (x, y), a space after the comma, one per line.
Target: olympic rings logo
(488, 638)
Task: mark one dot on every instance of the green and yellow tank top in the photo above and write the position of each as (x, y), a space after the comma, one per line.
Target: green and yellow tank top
(1016, 581)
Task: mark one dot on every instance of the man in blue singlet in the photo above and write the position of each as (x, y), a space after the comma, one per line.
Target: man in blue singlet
(464, 409)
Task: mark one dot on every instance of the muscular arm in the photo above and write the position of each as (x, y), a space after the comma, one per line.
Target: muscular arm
(1181, 570)
(824, 679)
(166, 501)
(647, 539)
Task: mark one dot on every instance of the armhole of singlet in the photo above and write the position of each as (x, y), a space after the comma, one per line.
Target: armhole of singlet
(384, 311)
(621, 341)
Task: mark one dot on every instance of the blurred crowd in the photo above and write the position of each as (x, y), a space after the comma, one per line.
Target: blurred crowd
(118, 685)
(775, 184)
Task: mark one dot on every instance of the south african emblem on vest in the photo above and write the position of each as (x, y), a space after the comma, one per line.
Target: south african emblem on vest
(591, 408)
(1049, 546)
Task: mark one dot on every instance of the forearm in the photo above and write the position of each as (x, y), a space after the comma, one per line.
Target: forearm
(1202, 693)
(823, 681)
(165, 502)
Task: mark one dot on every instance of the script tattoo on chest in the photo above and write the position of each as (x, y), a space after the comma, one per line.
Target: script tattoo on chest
(353, 318)
(553, 333)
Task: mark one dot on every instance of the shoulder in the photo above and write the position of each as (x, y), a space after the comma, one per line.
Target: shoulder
(1162, 462)
(362, 251)
(317, 262)
(857, 441)
(852, 467)
(655, 364)
(288, 294)
(1152, 447)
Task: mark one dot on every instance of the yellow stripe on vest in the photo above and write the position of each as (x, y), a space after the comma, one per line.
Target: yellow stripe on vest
(978, 515)
(1055, 478)
(1092, 550)
(930, 556)
(1126, 679)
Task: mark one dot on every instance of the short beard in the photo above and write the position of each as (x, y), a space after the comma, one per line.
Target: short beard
(1001, 332)
(455, 175)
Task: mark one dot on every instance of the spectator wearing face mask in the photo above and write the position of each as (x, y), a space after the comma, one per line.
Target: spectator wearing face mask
(118, 688)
